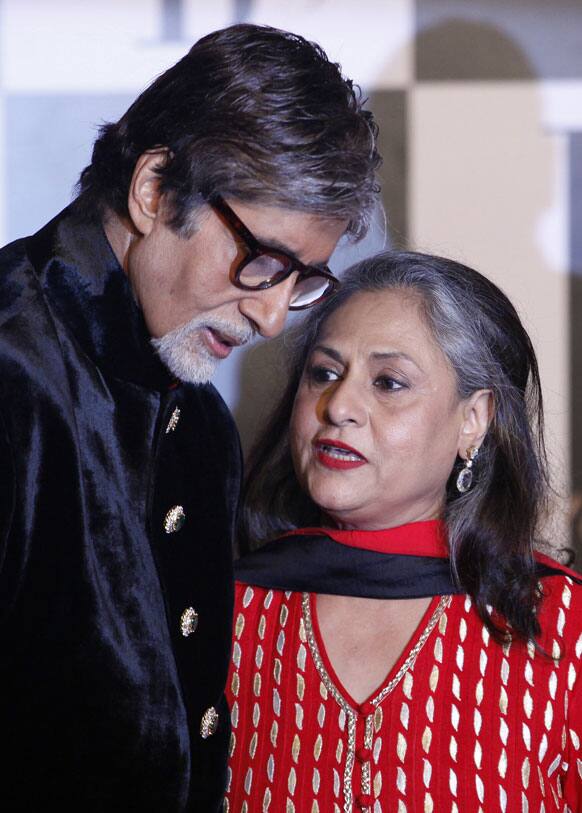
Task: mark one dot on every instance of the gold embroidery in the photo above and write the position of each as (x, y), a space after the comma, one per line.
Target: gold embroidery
(262, 625)
(404, 716)
(478, 755)
(502, 766)
(477, 721)
(401, 747)
(349, 713)
(270, 767)
(295, 748)
(366, 767)
(235, 684)
(274, 733)
(548, 716)
(317, 748)
(528, 704)
(377, 784)
(300, 687)
(283, 615)
(525, 770)
(426, 739)
(378, 717)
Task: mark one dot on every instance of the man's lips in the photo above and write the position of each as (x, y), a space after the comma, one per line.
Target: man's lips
(337, 455)
(219, 344)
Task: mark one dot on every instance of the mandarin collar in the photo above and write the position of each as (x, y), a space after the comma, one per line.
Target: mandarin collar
(85, 284)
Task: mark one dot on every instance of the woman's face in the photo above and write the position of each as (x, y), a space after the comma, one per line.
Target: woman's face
(377, 422)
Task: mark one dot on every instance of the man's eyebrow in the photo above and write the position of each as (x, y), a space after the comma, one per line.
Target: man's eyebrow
(274, 245)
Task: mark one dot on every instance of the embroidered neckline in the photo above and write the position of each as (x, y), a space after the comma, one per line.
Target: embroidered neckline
(368, 709)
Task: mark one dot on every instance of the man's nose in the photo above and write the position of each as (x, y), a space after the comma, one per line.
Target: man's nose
(268, 309)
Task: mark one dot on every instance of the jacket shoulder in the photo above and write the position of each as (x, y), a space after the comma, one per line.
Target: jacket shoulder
(18, 285)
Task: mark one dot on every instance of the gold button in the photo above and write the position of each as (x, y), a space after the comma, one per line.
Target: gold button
(173, 422)
(174, 519)
(188, 621)
(209, 723)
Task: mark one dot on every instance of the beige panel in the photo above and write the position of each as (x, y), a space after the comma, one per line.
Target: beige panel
(488, 186)
(372, 40)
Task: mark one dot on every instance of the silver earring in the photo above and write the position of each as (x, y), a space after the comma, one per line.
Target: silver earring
(465, 477)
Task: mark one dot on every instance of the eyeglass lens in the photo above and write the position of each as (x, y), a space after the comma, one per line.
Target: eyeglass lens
(272, 269)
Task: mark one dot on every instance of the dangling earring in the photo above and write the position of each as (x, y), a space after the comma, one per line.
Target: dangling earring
(465, 477)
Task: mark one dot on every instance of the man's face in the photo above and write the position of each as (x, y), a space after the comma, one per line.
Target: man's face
(193, 311)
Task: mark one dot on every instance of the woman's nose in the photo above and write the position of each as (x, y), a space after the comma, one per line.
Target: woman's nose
(343, 404)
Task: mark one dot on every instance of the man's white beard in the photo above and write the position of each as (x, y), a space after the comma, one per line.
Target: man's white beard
(185, 354)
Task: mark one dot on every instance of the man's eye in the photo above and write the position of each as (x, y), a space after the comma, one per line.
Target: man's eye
(387, 383)
(321, 375)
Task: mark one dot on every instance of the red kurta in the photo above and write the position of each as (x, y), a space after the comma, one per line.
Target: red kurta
(460, 725)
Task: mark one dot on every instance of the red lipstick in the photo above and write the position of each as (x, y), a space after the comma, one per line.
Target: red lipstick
(333, 454)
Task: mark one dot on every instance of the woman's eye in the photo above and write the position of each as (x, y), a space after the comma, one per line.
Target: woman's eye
(321, 375)
(387, 383)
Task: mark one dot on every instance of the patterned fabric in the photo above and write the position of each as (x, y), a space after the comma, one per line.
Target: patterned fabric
(460, 725)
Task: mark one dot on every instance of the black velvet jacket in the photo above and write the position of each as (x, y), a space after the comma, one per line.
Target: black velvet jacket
(101, 694)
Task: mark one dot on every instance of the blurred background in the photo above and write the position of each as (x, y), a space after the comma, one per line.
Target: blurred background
(480, 108)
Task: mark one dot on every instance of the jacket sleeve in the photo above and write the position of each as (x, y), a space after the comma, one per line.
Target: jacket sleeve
(7, 490)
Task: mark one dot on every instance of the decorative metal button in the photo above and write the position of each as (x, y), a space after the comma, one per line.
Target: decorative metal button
(209, 723)
(173, 422)
(174, 519)
(188, 621)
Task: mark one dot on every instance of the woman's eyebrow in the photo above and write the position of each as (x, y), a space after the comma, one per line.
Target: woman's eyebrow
(329, 351)
(376, 355)
(395, 354)
(391, 354)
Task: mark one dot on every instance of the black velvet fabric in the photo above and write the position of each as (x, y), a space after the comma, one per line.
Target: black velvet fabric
(101, 696)
(319, 564)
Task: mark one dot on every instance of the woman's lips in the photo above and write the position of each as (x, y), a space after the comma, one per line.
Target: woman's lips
(333, 454)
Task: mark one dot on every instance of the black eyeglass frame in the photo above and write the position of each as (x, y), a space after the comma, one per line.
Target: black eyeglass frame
(257, 249)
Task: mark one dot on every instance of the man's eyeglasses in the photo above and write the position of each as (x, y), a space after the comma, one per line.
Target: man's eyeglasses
(263, 267)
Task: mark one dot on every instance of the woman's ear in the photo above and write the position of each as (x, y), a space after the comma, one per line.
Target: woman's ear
(478, 411)
(144, 197)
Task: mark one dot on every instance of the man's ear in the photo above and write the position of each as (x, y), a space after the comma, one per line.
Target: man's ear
(478, 412)
(144, 197)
